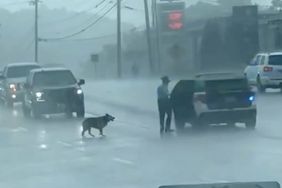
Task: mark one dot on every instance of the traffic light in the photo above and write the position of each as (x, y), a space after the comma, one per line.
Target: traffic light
(175, 20)
(172, 21)
(172, 16)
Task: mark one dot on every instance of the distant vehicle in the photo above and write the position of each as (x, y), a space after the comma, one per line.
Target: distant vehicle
(12, 79)
(265, 71)
(52, 91)
(214, 99)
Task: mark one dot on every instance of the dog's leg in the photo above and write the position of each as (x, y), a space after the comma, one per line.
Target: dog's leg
(83, 132)
(89, 132)
(101, 132)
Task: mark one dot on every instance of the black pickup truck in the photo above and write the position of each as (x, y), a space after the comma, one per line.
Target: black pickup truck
(52, 91)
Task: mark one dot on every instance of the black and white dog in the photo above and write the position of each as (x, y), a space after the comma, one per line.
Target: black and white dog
(97, 123)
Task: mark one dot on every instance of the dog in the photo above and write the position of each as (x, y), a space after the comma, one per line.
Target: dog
(97, 123)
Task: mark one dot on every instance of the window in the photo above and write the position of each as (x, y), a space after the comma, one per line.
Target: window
(20, 71)
(54, 78)
(255, 61)
(275, 60)
(262, 60)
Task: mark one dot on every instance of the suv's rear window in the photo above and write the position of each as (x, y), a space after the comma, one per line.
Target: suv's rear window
(275, 60)
(227, 85)
(20, 71)
(54, 78)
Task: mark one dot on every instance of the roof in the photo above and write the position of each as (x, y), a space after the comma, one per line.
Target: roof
(220, 76)
(22, 64)
(49, 69)
(276, 53)
(271, 53)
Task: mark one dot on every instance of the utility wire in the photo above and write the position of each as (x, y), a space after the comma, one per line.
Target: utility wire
(82, 30)
(13, 3)
(79, 13)
(87, 39)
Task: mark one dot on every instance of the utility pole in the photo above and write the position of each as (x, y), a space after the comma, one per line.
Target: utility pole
(148, 35)
(36, 39)
(36, 32)
(119, 66)
(156, 33)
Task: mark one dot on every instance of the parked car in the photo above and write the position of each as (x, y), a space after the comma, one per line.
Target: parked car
(265, 71)
(12, 79)
(214, 99)
(51, 91)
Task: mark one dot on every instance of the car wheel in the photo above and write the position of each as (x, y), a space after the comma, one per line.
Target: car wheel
(179, 124)
(26, 111)
(199, 124)
(69, 115)
(251, 124)
(80, 113)
(36, 114)
(260, 87)
(9, 103)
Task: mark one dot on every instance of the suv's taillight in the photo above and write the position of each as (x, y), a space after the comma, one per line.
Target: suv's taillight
(200, 98)
(267, 69)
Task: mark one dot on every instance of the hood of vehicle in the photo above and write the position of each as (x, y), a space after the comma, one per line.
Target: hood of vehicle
(16, 80)
(51, 88)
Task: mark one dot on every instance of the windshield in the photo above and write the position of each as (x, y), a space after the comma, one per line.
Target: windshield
(227, 85)
(275, 60)
(20, 71)
(54, 78)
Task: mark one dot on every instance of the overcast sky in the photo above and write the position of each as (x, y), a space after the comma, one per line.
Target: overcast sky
(81, 5)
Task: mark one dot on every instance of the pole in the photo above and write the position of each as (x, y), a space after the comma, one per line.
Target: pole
(36, 31)
(157, 34)
(119, 66)
(148, 35)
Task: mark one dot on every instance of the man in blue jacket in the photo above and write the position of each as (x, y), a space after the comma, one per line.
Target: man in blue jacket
(164, 106)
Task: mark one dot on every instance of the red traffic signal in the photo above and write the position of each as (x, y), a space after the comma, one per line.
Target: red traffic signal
(175, 20)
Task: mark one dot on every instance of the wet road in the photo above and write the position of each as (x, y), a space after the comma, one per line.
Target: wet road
(51, 152)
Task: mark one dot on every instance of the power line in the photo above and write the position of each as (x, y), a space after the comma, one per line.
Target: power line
(86, 22)
(14, 3)
(79, 13)
(82, 30)
(87, 39)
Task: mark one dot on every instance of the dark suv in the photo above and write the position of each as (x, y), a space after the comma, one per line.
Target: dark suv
(12, 79)
(52, 91)
(214, 99)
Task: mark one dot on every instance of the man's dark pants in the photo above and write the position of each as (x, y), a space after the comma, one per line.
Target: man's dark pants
(165, 111)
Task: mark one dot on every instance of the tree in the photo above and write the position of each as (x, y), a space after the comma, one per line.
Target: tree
(277, 4)
(230, 3)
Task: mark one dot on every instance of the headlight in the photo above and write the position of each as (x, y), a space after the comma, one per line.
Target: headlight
(38, 94)
(251, 98)
(12, 86)
(79, 91)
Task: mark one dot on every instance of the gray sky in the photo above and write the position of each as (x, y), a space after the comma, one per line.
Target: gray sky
(81, 5)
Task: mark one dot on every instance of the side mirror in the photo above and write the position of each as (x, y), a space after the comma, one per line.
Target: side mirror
(81, 82)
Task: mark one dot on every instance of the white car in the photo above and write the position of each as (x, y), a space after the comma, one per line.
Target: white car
(265, 71)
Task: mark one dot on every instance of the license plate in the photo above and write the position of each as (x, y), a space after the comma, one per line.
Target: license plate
(230, 99)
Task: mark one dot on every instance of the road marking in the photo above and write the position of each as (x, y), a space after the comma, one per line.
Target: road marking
(64, 143)
(123, 161)
(43, 146)
(19, 129)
